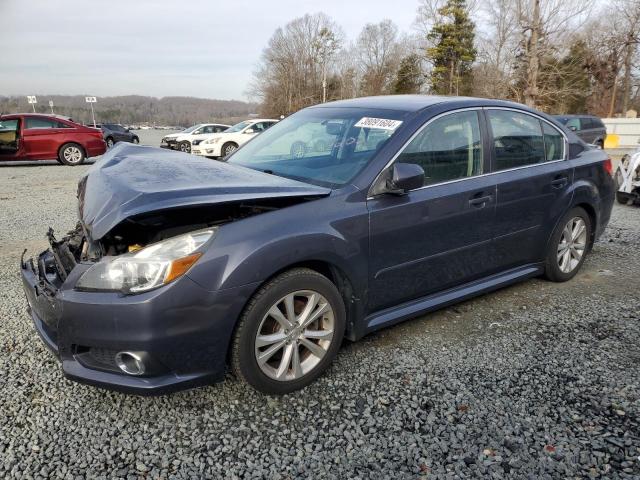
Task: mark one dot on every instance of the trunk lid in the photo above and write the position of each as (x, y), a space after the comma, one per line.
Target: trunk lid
(131, 180)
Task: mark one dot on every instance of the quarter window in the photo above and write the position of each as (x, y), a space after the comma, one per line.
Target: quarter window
(517, 139)
(449, 148)
(553, 143)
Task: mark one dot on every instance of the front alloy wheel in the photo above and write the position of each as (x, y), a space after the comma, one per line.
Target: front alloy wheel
(289, 333)
(294, 335)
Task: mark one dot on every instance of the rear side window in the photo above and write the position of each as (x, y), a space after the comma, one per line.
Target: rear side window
(553, 143)
(573, 122)
(449, 148)
(517, 139)
(38, 123)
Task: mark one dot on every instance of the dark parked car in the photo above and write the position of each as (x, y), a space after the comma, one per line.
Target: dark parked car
(266, 261)
(114, 133)
(31, 136)
(587, 127)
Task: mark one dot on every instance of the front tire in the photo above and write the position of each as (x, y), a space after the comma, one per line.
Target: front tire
(569, 246)
(289, 333)
(110, 142)
(228, 148)
(135, 140)
(71, 154)
(184, 147)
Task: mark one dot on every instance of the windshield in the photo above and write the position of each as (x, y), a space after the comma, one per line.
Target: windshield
(323, 146)
(192, 128)
(238, 126)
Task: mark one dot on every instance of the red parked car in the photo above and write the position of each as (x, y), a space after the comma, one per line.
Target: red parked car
(31, 136)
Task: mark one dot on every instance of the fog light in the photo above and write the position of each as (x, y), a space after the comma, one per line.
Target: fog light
(130, 363)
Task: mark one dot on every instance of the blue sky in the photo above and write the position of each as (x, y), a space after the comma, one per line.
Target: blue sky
(156, 47)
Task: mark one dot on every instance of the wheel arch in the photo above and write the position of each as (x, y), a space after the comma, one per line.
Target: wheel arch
(336, 275)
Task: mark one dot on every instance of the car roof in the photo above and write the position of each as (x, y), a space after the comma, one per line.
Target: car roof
(576, 115)
(415, 103)
(256, 120)
(39, 115)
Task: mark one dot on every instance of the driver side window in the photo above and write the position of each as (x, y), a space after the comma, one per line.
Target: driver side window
(449, 148)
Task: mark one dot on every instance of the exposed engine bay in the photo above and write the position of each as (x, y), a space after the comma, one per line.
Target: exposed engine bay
(138, 232)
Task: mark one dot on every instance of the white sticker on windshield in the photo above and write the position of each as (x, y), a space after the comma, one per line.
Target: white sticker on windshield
(381, 123)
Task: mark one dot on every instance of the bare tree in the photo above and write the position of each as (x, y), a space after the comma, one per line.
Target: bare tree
(293, 70)
(545, 26)
(629, 23)
(497, 50)
(380, 53)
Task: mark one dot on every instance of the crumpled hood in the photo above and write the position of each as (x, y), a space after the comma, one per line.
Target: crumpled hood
(131, 180)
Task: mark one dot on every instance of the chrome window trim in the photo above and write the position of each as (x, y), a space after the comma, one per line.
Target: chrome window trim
(395, 157)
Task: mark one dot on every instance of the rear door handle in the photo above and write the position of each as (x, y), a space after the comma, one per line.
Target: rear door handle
(480, 202)
(559, 182)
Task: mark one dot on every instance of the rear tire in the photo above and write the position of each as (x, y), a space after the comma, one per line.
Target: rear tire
(71, 154)
(278, 353)
(110, 142)
(569, 245)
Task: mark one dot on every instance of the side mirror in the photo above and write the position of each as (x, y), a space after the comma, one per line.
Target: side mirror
(249, 130)
(572, 128)
(405, 177)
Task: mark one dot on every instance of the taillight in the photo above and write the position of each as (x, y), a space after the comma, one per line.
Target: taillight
(608, 166)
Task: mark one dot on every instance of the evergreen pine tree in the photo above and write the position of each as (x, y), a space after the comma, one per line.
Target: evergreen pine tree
(453, 51)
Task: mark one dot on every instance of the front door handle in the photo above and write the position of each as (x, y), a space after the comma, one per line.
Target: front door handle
(480, 202)
(559, 182)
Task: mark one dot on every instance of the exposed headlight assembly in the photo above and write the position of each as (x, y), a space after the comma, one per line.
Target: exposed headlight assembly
(150, 267)
(196, 142)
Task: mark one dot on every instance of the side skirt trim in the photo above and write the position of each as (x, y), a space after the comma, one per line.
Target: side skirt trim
(393, 315)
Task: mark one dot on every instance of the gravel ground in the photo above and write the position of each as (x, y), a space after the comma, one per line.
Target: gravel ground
(539, 380)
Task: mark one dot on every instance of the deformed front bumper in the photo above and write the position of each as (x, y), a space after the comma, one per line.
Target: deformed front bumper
(183, 329)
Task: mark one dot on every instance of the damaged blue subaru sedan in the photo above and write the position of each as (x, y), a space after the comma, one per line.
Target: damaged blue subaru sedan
(342, 219)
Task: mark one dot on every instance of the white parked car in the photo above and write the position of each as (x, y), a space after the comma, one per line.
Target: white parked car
(225, 143)
(181, 140)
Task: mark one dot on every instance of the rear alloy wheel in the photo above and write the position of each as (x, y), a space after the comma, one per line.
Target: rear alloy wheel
(110, 142)
(71, 154)
(185, 147)
(229, 148)
(569, 246)
(289, 333)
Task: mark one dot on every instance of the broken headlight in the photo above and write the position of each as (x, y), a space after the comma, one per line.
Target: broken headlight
(148, 268)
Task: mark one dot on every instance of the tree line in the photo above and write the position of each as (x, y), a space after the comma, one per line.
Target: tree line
(136, 109)
(560, 56)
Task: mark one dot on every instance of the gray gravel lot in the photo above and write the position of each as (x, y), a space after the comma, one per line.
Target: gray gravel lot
(539, 380)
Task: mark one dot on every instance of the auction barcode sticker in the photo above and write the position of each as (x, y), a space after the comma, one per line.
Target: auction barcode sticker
(382, 123)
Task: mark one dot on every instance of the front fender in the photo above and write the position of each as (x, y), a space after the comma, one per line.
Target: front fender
(333, 230)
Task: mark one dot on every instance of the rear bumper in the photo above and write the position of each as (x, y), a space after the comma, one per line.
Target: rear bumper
(95, 148)
(182, 328)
